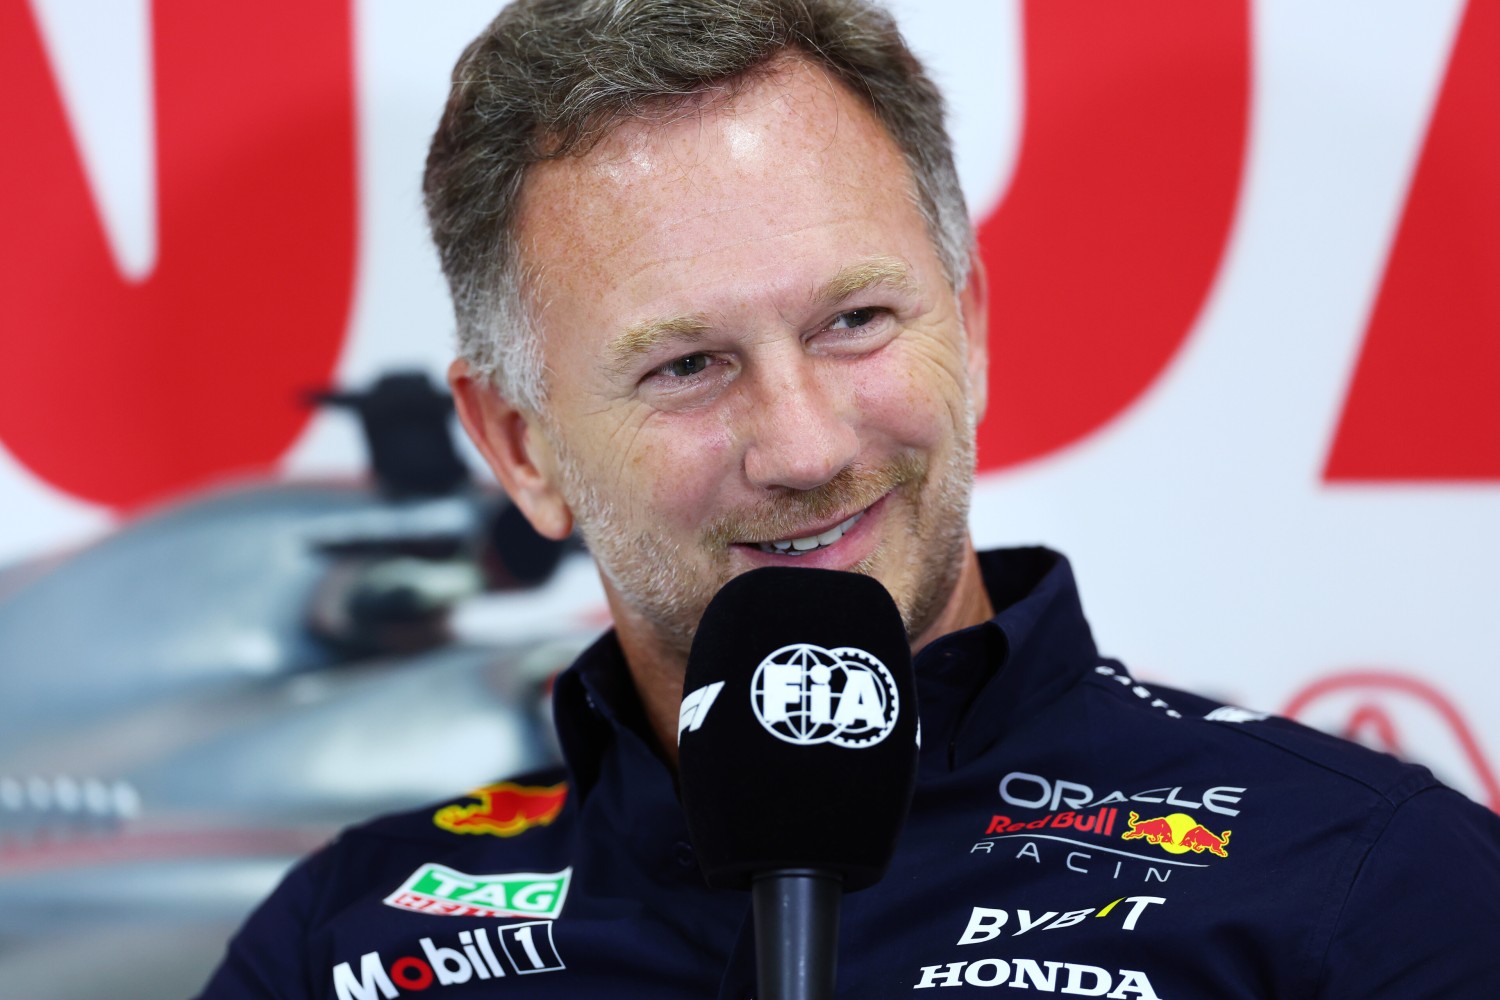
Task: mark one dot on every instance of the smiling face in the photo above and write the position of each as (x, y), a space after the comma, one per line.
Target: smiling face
(753, 358)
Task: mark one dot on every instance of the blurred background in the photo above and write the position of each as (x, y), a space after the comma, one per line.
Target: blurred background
(254, 585)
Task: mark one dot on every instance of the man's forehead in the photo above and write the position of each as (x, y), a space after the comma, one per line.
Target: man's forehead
(784, 192)
(790, 112)
(788, 90)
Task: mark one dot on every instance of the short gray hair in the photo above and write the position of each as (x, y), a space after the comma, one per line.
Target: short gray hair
(551, 78)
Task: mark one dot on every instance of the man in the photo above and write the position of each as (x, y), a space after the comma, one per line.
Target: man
(718, 310)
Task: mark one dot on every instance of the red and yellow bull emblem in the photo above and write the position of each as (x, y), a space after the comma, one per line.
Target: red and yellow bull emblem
(504, 810)
(1176, 833)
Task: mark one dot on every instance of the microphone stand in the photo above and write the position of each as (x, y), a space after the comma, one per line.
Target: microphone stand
(796, 933)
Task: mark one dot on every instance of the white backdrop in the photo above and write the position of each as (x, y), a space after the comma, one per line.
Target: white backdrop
(1289, 500)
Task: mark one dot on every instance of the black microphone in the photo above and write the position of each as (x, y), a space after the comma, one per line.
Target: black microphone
(797, 756)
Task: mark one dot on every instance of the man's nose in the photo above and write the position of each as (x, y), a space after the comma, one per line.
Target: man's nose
(802, 434)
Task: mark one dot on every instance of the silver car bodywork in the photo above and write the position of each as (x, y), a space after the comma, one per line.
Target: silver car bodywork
(212, 691)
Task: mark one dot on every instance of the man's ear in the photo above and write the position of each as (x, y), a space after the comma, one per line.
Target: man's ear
(974, 305)
(517, 452)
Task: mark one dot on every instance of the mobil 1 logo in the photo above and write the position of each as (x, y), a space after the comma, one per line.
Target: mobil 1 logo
(474, 955)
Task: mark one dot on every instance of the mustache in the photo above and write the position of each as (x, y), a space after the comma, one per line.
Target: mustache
(853, 488)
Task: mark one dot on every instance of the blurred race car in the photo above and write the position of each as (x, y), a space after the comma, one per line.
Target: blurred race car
(214, 689)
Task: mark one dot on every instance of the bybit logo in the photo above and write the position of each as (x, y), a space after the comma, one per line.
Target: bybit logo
(805, 694)
(986, 924)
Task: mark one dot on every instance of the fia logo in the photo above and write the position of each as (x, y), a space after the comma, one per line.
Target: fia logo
(805, 694)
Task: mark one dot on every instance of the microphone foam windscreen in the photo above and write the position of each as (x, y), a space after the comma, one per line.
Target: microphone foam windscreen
(797, 737)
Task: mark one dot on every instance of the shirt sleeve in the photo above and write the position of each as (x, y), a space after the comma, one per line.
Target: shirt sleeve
(268, 958)
(1422, 918)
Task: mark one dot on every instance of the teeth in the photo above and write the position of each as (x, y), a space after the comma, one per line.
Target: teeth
(796, 546)
(832, 535)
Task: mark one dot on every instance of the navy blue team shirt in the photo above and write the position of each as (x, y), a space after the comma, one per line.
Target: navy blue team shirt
(1073, 832)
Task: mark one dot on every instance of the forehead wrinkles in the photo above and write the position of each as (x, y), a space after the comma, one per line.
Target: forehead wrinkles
(615, 231)
(795, 120)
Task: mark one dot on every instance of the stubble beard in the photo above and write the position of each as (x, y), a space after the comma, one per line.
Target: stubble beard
(651, 574)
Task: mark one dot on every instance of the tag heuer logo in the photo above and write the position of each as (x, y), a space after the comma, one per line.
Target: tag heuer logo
(444, 892)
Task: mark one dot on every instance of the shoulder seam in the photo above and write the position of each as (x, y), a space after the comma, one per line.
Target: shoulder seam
(1415, 781)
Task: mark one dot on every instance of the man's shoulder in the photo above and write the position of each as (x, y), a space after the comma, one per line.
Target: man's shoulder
(1265, 745)
(521, 824)
(502, 850)
(502, 810)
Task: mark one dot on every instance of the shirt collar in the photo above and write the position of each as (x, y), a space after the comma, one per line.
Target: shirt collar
(973, 686)
(980, 683)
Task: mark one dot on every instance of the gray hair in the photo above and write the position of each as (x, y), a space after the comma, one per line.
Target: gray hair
(551, 78)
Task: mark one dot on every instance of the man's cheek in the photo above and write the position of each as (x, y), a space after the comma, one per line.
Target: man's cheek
(914, 408)
(683, 473)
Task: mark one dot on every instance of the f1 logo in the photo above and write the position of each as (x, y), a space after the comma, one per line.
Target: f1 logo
(695, 708)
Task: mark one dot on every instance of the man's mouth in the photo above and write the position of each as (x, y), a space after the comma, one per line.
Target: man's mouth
(809, 543)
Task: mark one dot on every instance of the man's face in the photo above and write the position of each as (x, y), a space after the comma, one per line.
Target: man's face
(753, 355)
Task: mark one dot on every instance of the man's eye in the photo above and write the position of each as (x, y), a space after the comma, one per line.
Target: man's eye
(854, 318)
(687, 366)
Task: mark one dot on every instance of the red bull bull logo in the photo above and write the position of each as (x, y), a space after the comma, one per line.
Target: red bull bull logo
(1176, 833)
(504, 810)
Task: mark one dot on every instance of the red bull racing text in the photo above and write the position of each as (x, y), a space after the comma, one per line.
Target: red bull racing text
(1101, 822)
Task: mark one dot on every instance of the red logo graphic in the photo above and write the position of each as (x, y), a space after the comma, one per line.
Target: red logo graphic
(1176, 833)
(1200, 839)
(1156, 831)
(504, 810)
(121, 391)
(1422, 402)
(1112, 231)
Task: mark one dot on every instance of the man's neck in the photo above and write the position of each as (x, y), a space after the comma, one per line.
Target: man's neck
(657, 668)
(969, 604)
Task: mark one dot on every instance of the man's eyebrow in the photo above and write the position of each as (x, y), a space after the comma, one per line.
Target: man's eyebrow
(857, 277)
(646, 336)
